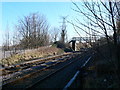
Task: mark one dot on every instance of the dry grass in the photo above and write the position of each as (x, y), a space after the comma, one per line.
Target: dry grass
(32, 54)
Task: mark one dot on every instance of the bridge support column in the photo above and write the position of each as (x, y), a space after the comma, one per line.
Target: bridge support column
(73, 45)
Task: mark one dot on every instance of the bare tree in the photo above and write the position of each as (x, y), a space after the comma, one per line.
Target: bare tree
(118, 21)
(6, 43)
(33, 30)
(102, 16)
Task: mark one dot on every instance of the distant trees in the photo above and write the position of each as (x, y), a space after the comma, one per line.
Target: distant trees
(33, 30)
(55, 34)
(6, 39)
(5, 45)
(10, 42)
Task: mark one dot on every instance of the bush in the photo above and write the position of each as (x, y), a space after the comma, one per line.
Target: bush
(68, 50)
(59, 44)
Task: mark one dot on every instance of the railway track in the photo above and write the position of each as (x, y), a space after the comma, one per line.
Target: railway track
(68, 58)
(36, 84)
(33, 85)
(17, 72)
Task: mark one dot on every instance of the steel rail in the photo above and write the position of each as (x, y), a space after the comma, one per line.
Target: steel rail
(30, 63)
(49, 75)
(34, 61)
(76, 74)
(37, 70)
